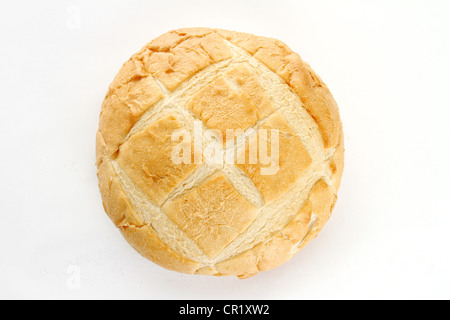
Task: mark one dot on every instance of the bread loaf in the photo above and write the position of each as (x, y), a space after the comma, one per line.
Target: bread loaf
(218, 153)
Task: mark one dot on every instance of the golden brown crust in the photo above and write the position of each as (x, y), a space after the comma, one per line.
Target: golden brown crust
(130, 95)
(322, 199)
(337, 162)
(178, 55)
(147, 242)
(116, 203)
(306, 83)
(220, 106)
(293, 160)
(215, 217)
(146, 159)
(282, 246)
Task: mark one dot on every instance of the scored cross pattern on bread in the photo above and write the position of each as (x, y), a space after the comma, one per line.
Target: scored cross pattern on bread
(218, 219)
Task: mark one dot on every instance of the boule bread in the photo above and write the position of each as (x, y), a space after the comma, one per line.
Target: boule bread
(218, 219)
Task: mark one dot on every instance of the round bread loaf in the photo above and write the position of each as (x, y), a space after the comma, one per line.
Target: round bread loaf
(218, 152)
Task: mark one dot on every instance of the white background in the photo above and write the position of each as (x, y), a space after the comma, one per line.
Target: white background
(387, 64)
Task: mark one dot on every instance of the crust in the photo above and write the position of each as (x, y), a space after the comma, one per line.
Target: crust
(147, 242)
(283, 245)
(315, 95)
(115, 202)
(160, 69)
